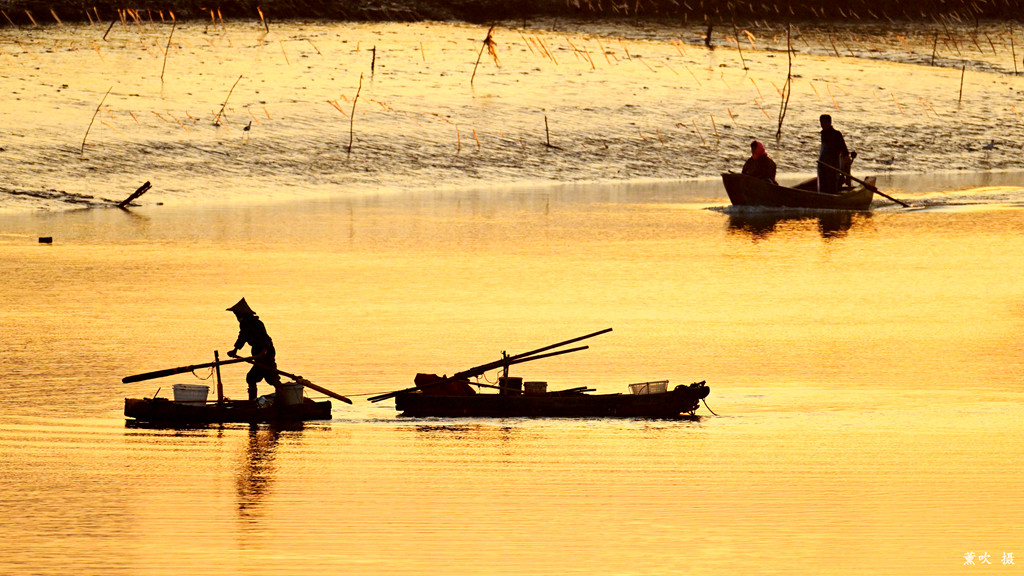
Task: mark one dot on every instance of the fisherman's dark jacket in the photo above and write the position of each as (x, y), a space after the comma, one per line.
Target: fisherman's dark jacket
(251, 331)
(833, 146)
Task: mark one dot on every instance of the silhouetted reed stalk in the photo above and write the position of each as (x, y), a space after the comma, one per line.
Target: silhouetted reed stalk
(167, 50)
(264, 20)
(738, 47)
(352, 118)
(94, 114)
(787, 88)
(216, 119)
(489, 44)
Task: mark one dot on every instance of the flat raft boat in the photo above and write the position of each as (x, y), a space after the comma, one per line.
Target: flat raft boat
(166, 411)
(746, 190)
(647, 400)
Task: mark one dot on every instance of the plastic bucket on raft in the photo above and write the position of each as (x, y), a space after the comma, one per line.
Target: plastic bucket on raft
(190, 393)
(289, 393)
(535, 388)
(511, 386)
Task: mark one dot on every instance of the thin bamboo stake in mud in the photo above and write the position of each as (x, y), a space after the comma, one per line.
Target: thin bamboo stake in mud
(1013, 51)
(702, 141)
(547, 135)
(352, 118)
(898, 107)
(167, 50)
(489, 46)
(963, 71)
(286, 60)
(104, 99)
(216, 120)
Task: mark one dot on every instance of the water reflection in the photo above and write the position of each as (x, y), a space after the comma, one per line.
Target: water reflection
(256, 474)
(760, 225)
(442, 433)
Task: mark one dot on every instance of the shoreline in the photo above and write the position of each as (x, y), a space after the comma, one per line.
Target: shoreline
(955, 12)
(652, 190)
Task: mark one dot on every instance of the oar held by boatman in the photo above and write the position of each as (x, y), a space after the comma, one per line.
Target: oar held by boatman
(251, 331)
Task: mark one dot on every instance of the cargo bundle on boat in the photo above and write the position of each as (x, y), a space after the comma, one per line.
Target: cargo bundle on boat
(190, 404)
(454, 396)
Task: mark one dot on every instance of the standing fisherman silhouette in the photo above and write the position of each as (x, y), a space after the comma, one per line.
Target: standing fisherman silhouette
(833, 151)
(251, 331)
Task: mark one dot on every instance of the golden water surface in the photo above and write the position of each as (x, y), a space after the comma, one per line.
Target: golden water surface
(865, 368)
(865, 372)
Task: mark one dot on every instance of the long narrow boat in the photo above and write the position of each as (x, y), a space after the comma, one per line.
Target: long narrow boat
(166, 411)
(574, 403)
(746, 190)
(454, 396)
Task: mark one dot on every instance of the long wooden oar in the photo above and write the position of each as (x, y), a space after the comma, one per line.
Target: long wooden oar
(559, 345)
(304, 382)
(869, 186)
(179, 370)
(478, 370)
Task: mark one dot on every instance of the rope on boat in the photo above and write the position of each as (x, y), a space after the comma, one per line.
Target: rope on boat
(208, 376)
(704, 400)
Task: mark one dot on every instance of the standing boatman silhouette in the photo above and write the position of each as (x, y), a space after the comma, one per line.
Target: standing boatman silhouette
(251, 331)
(833, 150)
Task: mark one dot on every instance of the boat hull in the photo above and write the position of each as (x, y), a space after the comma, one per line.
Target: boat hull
(680, 401)
(746, 190)
(164, 411)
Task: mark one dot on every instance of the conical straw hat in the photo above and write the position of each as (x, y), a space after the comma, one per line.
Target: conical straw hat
(242, 307)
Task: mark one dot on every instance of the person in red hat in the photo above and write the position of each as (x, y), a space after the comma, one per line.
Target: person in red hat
(251, 331)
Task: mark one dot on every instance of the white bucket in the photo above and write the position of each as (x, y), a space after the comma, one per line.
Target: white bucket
(289, 393)
(191, 393)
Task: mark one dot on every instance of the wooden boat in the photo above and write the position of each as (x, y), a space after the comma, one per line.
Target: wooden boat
(574, 403)
(190, 406)
(166, 411)
(746, 190)
(453, 396)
